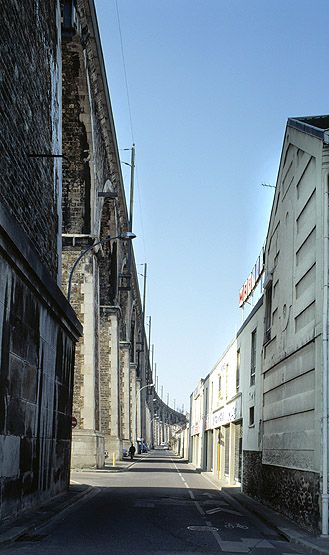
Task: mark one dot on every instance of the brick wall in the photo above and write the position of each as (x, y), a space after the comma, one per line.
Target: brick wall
(105, 370)
(86, 171)
(76, 147)
(30, 120)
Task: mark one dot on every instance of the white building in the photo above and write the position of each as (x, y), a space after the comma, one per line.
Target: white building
(274, 376)
(293, 470)
(216, 425)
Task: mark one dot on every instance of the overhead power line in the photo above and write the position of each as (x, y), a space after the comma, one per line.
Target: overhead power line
(125, 72)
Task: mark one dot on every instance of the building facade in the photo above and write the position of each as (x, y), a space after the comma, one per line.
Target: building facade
(295, 359)
(216, 420)
(282, 347)
(38, 328)
(112, 357)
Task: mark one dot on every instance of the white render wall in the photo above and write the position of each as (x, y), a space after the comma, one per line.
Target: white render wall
(252, 394)
(225, 372)
(196, 425)
(292, 358)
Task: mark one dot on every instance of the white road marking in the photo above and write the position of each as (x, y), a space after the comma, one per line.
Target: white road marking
(241, 546)
(220, 510)
(202, 528)
(191, 494)
(200, 509)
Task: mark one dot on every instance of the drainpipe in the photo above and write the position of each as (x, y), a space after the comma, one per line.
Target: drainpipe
(325, 496)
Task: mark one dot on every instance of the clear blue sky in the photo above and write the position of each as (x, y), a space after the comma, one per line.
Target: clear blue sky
(211, 84)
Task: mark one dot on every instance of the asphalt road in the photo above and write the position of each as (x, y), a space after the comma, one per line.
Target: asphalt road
(160, 505)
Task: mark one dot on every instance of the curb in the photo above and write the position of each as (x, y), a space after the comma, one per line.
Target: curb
(40, 517)
(43, 515)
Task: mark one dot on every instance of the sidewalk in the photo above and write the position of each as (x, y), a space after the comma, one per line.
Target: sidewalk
(31, 522)
(120, 465)
(293, 533)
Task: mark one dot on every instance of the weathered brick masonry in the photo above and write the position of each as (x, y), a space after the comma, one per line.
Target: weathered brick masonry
(89, 169)
(94, 208)
(30, 62)
(38, 328)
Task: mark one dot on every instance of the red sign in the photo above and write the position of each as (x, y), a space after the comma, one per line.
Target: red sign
(74, 422)
(252, 280)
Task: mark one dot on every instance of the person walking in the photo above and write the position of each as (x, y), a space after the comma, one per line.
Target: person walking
(131, 451)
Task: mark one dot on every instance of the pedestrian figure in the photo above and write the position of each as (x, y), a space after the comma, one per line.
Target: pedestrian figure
(132, 450)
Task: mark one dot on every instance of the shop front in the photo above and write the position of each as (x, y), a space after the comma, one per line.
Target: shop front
(227, 449)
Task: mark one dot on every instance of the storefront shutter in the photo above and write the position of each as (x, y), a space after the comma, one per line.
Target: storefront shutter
(238, 452)
(227, 449)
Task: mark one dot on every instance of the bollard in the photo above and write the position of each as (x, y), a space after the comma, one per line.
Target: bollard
(114, 459)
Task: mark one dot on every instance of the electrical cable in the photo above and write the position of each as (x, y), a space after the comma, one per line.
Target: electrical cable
(125, 72)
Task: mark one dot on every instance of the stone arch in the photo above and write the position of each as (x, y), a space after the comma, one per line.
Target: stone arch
(108, 255)
(77, 141)
(100, 210)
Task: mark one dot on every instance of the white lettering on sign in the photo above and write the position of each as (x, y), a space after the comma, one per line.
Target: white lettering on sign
(196, 428)
(252, 280)
(229, 413)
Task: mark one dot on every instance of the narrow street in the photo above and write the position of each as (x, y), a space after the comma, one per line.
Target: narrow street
(159, 505)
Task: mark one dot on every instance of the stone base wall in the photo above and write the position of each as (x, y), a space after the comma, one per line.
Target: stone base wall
(38, 331)
(293, 493)
(252, 474)
(88, 449)
(126, 443)
(113, 445)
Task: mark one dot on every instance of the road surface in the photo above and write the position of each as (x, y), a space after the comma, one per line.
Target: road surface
(161, 505)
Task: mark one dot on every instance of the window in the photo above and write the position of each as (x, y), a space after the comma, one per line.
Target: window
(251, 416)
(253, 357)
(268, 312)
(206, 401)
(220, 393)
(226, 381)
(237, 376)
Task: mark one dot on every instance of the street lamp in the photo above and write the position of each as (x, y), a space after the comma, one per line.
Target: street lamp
(125, 235)
(137, 393)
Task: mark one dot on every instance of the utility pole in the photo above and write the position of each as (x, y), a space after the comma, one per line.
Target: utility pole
(155, 377)
(152, 359)
(132, 183)
(130, 226)
(150, 324)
